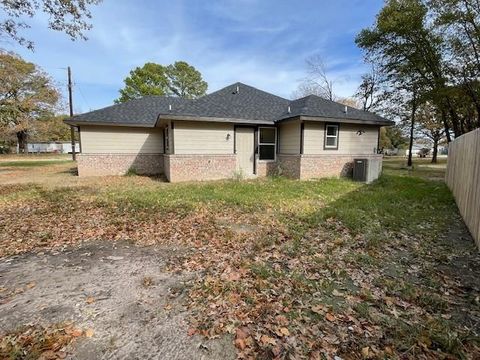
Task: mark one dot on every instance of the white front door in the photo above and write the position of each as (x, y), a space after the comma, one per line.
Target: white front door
(245, 145)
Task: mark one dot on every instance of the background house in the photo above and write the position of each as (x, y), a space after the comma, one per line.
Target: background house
(60, 147)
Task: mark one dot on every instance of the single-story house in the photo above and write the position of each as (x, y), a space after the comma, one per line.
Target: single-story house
(236, 130)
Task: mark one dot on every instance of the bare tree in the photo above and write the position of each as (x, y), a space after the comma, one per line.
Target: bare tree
(305, 89)
(317, 82)
(349, 101)
(368, 90)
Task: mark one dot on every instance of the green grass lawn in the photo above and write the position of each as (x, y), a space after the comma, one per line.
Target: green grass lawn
(33, 163)
(422, 167)
(301, 267)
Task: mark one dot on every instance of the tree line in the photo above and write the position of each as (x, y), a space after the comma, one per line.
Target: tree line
(30, 100)
(425, 58)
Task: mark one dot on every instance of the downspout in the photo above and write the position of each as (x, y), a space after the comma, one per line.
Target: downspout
(302, 130)
(79, 140)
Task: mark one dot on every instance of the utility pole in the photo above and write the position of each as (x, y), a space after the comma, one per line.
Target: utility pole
(70, 104)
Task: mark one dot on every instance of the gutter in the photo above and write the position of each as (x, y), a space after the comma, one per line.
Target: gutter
(79, 123)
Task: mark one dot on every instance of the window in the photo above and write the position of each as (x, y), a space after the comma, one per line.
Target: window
(267, 143)
(331, 136)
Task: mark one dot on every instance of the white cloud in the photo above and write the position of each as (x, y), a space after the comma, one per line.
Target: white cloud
(260, 43)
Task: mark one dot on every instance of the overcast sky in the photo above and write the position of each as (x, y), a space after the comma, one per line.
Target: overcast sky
(263, 43)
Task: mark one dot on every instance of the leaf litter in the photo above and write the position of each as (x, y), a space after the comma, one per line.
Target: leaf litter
(326, 293)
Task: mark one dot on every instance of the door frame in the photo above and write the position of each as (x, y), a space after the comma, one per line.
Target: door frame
(255, 131)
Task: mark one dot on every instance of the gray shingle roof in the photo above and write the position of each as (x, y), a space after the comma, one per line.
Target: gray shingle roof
(315, 106)
(138, 112)
(235, 102)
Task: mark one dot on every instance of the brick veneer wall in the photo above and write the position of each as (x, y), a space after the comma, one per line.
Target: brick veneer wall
(266, 168)
(119, 164)
(289, 165)
(317, 166)
(199, 167)
(214, 167)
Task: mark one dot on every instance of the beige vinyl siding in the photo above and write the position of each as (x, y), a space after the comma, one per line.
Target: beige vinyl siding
(120, 140)
(349, 142)
(289, 136)
(191, 137)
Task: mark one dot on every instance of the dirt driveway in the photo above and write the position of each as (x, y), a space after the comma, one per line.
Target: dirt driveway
(116, 289)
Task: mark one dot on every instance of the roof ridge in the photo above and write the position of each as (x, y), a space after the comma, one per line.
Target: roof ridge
(199, 99)
(243, 84)
(161, 96)
(314, 96)
(260, 90)
(301, 101)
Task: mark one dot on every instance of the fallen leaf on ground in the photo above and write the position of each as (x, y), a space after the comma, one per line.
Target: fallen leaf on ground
(318, 309)
(330, 317)
(267, 340)
(242, 333)
(77, 332)
(240, 343)
(365, 352)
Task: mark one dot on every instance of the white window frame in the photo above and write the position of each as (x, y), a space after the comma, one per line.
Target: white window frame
(331, 147)
(269, 144)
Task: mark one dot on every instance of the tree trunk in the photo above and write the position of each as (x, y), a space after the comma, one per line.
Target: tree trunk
(435, 151)
(22, 142)
(412, 128)
(456, 123)
(445, 124)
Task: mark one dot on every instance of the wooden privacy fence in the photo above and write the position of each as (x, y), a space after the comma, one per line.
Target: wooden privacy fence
(463, 178)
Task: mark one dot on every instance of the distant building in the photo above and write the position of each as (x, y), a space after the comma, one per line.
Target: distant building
(59, 147)
(415, 150)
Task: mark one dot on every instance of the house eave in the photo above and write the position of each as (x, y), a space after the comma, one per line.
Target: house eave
(101, 123)
(168, 117)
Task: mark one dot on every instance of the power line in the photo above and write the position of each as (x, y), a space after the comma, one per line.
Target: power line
(83, 96)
